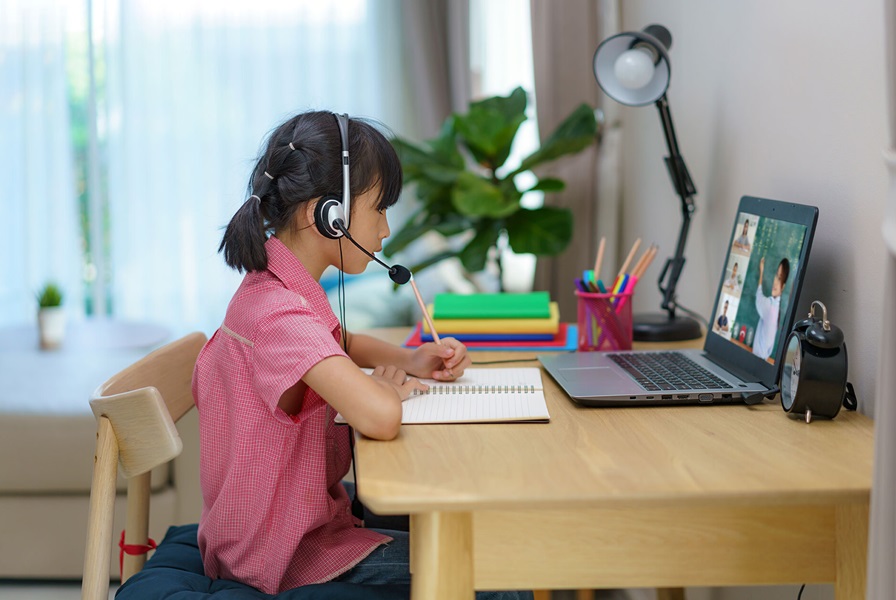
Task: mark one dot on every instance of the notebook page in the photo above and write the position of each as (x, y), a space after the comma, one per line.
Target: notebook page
(475, 408)
(482, 395)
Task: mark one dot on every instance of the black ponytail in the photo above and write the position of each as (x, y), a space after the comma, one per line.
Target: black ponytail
(244, 238)
(301, 161)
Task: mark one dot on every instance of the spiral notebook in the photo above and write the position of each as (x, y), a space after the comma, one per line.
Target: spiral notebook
(482, 395)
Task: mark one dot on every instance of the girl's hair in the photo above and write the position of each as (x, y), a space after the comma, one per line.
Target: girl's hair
(302, 160)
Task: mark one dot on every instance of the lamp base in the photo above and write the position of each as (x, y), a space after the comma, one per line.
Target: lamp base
(663, 328)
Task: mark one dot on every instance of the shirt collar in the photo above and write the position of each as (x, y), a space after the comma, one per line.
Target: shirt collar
(284, 265)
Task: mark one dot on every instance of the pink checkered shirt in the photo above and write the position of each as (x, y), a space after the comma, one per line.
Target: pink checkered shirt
(275, 515)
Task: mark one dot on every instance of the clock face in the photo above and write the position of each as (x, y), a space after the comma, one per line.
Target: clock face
(790, 379)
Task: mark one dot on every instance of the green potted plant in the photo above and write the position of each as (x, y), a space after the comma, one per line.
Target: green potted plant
(50, 317)
(468, 196)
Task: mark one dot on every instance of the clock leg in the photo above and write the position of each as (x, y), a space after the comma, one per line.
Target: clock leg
(852, 551)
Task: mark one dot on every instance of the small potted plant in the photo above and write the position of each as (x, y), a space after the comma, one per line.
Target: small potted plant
(50, 317)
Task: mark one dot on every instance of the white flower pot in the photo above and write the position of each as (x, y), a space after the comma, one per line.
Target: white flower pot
(51, 327)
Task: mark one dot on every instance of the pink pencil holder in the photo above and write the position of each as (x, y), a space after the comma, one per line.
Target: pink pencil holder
(604, 321)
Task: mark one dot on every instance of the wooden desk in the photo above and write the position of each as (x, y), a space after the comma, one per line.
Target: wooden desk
(627, 497)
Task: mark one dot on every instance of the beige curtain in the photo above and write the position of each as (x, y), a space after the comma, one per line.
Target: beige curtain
(882, 532)
(564, 38)
(437, 47)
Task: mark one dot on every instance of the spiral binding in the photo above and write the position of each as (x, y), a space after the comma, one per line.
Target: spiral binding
(475, 389)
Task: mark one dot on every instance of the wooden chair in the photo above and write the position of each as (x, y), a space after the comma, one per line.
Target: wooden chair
(135, 411)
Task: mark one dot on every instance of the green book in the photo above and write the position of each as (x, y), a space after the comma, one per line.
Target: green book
(529, 305)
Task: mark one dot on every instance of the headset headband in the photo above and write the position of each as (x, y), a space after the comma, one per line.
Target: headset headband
(342, 121)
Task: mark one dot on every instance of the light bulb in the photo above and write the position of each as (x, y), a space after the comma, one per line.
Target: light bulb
(634, 68)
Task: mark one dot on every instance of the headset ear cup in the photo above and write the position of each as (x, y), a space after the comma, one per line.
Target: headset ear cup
(326, 213)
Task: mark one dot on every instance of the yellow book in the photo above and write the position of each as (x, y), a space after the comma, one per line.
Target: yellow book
(450, 326)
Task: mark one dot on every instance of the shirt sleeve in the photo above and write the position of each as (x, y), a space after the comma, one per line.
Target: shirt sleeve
(763, 304)
(288, 343)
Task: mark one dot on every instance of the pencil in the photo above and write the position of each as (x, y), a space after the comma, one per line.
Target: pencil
(629, 258)
(651, 253)
(638, 265)
(600, 257)
(432, 328)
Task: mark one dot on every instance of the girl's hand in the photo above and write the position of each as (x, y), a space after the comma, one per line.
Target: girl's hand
(445, 362)
(398, 380)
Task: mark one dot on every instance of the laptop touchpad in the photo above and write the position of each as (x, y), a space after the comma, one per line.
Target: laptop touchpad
(588, 381)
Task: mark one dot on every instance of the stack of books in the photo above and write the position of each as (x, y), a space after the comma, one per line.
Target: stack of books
(508, 321)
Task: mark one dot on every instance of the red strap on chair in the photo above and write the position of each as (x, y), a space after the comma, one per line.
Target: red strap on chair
(132, 550)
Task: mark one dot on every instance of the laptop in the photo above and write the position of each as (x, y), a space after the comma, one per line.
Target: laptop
(750, 322)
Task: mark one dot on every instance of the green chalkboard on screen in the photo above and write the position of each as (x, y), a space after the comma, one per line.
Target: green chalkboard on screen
(774, 240)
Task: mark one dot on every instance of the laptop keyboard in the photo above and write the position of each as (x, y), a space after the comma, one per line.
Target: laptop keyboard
(667, 371)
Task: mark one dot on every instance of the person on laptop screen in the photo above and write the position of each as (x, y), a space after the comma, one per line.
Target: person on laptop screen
(768, 308)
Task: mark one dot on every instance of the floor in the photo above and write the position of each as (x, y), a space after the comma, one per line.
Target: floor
(42, 590)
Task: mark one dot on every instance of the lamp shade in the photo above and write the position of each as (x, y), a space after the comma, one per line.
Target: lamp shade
(633, 68)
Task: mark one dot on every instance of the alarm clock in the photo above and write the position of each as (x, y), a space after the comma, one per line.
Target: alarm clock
(813, 379)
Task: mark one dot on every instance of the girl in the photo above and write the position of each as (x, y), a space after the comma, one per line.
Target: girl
(269, 382)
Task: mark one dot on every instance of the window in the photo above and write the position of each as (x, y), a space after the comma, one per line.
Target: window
(130, 127)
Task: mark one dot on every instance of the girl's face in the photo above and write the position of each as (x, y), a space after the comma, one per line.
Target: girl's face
(368, 227)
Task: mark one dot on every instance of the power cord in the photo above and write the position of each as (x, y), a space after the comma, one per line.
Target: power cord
(800, 594)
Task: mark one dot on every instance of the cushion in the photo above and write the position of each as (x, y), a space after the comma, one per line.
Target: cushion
(175, 572)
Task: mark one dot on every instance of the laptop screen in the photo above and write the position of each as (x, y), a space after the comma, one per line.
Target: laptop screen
(761, 280)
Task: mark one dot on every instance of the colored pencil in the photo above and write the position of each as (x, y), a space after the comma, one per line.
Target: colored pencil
(628, 259)
(600, 257)
(648, 258)
(432, 329)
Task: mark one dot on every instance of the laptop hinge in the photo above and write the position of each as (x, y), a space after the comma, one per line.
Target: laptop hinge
(737, 371)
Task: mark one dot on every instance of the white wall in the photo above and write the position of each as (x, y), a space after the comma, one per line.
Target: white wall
(783, 100)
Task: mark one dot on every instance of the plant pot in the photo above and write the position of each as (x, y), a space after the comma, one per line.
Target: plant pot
(51, 327)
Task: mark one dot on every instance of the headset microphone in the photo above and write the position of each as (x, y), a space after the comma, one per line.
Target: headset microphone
(397, 273)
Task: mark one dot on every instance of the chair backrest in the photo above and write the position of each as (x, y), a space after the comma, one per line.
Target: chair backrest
(136, 410)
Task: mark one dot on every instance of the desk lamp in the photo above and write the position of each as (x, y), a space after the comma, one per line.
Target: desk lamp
(633, 69)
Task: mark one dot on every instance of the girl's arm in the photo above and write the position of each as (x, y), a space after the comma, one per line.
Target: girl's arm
(368, 351)
(369, 403)
(446, 361)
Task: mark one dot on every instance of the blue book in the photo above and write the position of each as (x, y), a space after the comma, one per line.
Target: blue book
(492, 337)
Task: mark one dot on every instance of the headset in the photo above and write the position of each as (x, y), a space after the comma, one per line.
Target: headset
(331, 213)
(331, 210)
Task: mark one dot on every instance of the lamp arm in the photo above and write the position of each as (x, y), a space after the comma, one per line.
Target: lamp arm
(684, 187)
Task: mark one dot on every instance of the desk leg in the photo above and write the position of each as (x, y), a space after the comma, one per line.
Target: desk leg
(852, 551)
(442, 555)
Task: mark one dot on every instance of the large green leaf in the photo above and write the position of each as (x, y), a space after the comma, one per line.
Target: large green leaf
(475, 253)
(435, 196)
(421, 223)
(490, 125)
(452, 224)
(419, 163)
(544, 231)
(548, 184)
(444, 145)
(474, 196)
(574, 134)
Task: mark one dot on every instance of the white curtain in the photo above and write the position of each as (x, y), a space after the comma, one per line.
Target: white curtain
(193, 87)
(40, 239)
